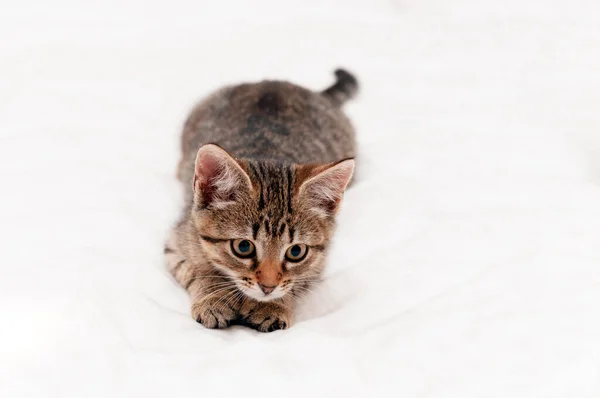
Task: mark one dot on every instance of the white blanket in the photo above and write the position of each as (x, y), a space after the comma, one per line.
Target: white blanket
(467, 258)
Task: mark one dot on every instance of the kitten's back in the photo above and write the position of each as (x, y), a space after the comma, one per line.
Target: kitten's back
(273, 120)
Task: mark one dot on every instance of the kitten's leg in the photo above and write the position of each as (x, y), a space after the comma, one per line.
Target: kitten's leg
(213, 308)
(267, 316)
(213, 296)
(174, 258)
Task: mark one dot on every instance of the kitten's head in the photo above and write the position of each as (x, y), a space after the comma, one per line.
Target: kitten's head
(266, 226)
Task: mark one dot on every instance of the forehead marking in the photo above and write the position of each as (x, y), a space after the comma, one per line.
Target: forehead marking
(290, 183)
(281, 229)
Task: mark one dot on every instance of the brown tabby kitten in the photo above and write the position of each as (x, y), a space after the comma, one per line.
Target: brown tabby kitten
(260, 205)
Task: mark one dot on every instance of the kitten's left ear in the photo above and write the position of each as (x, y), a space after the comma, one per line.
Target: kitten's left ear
(323, 191)
(219, 179)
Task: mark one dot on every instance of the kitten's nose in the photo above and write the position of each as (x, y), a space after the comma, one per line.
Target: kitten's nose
(266, 289)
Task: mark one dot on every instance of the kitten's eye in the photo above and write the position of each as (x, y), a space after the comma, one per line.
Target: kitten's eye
(296, 253)
(242, 248)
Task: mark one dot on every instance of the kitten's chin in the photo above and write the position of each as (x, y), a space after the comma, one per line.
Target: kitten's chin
(260, 296)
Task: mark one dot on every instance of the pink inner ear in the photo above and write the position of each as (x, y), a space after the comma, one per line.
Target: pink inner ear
(218, 176)
(207, 166)
(326, 189)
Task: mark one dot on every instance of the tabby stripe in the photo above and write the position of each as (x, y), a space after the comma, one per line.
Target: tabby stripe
(258, 177)
(253, 170)
(212, 240)
(290, 183)
(255, 228)
(282, 196)
(190, 282)
(254, 264)
(176, 267)
(264, 187)
(318, 247)
(281, 229)
(291, 231)
(168, 250)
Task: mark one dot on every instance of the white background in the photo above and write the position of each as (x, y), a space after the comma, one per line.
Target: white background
(467, 259)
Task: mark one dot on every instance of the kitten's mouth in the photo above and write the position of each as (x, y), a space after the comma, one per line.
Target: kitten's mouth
(256, 293)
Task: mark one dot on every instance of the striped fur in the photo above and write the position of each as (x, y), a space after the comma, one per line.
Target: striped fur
(275, 179)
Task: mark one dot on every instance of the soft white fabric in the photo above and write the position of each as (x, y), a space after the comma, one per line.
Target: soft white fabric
(467, 259)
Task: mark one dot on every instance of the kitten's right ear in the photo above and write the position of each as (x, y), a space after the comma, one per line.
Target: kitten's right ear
(218, 180)
(324, 189)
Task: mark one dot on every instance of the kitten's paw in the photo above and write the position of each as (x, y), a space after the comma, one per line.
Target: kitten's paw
(267, 317)
(212, 315)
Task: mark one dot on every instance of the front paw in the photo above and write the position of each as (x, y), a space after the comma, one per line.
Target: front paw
(212, 315)
(266, 317)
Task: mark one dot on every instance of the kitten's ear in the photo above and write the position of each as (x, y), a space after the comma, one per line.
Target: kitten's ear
(324, 188)
(219, 180)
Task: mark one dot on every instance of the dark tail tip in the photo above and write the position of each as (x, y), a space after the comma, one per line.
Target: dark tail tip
(345, 87)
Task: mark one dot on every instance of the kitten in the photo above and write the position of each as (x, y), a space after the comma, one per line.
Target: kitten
(264, 166)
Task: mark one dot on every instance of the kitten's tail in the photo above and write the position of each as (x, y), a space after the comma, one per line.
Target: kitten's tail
(343, 89)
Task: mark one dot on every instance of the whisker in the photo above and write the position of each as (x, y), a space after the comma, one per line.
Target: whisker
(212, 286)
(219, 284)
(301, 292)
(306, 279)
(208, 282)
(211, 294)
(225, 278)
(233, 302)
(225, 297)
(302, 288)
(230, 297)
(214, 276)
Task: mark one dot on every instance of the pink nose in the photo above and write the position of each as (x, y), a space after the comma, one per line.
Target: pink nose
(266, 289)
